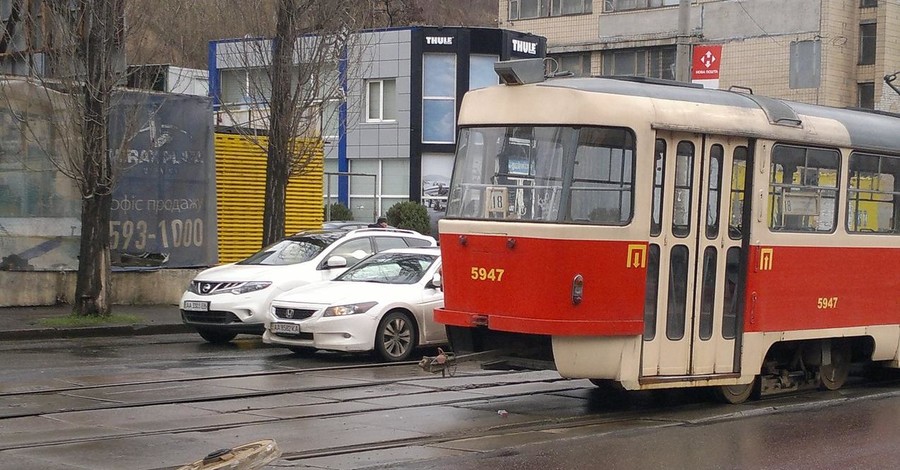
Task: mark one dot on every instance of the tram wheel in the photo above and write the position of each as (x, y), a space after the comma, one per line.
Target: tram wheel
(834, 375)
(735, 394)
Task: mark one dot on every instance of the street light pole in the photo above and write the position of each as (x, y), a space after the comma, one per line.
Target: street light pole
(683, 42)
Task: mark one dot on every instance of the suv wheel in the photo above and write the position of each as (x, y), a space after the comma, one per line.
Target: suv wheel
(216, 336)
(395, 338)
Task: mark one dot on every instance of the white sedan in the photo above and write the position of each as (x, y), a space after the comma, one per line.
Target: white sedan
(383, 304)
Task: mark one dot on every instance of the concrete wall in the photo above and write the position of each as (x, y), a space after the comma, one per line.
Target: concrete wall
(33, 288)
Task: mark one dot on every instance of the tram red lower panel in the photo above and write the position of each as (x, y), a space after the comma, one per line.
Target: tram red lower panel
(804, 288)
(525, 285)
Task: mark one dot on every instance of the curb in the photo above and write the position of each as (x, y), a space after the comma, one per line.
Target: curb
(94, 331)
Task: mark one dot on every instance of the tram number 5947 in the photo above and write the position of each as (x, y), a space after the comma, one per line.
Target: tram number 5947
(487, 274)
(826, 302)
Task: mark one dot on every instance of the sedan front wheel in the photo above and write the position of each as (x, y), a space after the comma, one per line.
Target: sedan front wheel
(395, 338)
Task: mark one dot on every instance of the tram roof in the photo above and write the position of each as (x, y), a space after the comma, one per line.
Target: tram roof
(867, 129)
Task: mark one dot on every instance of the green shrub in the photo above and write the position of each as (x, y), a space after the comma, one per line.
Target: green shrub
(409, 215)
(338, 212)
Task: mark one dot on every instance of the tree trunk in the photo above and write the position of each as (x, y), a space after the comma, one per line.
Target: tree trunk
(101, 44)
(280, 119)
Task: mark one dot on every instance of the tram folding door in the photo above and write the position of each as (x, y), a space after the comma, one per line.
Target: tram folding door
(693, 273)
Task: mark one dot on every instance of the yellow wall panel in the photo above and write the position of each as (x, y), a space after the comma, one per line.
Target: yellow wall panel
(240, 192)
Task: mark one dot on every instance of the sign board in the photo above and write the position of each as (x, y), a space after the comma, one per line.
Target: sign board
(707, 60)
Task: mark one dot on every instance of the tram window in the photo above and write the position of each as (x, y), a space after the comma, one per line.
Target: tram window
(684, 175)
(736, 203)
(714, 191)
(659, 177)
(603, 177)
(803, 189)
(678, 273)
(708, 292)
(651, 295)
(730, 303)
(873, 204)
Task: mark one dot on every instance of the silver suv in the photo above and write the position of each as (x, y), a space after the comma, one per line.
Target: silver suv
(226, 300)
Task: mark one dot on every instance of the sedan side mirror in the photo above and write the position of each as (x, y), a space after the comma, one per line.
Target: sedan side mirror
(336, 261)
(436, 281)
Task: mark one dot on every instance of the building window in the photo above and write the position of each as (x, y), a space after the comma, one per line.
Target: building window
(371, 196)
(525, 9)
(481, 71)
(806, 57)
(439, 98)
(330, 119)
(803, 189)
(873, 194)
(866, 95)
(578, 65)
(381, 100)
(658, 62)
(624, 5)
(867, 33)
(868, 3)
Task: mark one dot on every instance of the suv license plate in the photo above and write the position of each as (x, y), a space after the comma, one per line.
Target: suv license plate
(196, 305)
(286, 328)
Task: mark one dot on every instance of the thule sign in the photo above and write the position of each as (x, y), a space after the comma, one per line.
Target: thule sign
(524, 47)
(439, 40)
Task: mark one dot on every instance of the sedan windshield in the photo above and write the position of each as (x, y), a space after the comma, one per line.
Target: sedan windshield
(290, 251)
(390, 268)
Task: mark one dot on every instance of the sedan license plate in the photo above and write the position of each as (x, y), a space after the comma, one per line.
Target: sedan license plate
(196, 305)
(286, 328)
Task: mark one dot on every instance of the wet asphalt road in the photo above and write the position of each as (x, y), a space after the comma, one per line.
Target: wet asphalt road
(846, 429)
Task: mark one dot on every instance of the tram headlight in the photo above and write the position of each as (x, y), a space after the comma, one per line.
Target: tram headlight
(577, 289)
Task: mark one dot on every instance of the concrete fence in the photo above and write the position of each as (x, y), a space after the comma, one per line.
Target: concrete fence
(34, 288)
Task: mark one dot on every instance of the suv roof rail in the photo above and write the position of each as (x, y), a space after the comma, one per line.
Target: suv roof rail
(386, 229)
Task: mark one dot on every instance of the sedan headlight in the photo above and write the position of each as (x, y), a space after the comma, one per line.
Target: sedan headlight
(250, 287)
(352, 309)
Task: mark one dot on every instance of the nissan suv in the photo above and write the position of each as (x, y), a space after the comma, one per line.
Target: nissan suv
(227, 300)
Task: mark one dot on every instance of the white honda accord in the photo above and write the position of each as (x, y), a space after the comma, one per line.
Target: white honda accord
(383, 304)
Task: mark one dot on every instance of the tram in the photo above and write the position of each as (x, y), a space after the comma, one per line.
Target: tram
(650, 235)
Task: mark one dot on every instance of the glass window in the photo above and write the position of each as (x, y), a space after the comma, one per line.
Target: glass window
(381, 100)
(659, 179)
(330, 119)
(657, 62)
(708, 292)
(570, 7)
(714, 191)
(481, 71)
(579, 65)
(395, 176)
(353, 250)
(805, 65)
(675, 313)
(260, 85)
(386, 243)
(622, 5)
(865, 95)
(363, 185)
(867, 36)
(684, 176)
(651, 293)
(873, 204)
(868, 3)
(439, 98)
(730, 303)
(803, 189)
(233, 85)
(736, 203)
(583, 174)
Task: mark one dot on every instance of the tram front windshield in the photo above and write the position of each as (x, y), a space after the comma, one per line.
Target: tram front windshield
(544, 174)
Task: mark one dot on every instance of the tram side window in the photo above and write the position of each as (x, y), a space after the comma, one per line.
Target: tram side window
(736, 203)
(873, 204)
(659, 178)
(803, 189)
(677, 305)
(714, 191)
(651, 295)
(730, 303)
(684, 176)
(708, 292)
(603, 177)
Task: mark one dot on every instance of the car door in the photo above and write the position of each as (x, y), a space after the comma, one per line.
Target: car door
(432, 298)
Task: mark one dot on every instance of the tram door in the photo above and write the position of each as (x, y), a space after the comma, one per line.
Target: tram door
(693, 264)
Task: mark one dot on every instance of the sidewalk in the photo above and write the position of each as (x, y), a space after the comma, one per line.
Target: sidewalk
(24, 323)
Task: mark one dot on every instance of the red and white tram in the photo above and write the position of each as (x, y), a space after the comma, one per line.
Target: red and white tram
(658, 236)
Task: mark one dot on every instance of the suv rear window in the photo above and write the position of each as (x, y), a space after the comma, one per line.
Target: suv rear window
(417, 242)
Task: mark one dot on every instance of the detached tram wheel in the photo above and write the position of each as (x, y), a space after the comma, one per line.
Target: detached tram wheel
(735, 394)
(834, 375)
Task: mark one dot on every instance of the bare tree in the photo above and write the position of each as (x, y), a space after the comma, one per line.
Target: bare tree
(293, 80)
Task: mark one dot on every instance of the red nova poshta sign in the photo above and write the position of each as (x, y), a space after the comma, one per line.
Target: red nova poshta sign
(707, 59)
